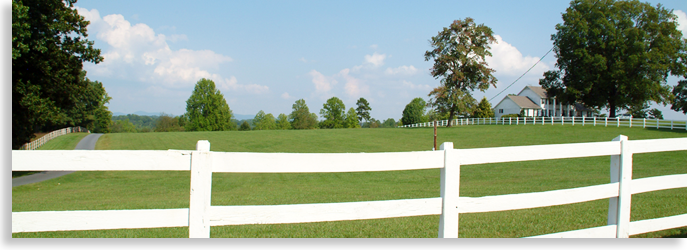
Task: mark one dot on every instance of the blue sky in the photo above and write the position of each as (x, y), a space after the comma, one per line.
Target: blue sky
(264, 55)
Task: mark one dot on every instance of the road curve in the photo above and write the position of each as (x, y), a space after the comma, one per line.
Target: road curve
(87, 143)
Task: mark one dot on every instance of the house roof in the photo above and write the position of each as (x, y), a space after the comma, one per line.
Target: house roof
(541, 92)
(523, 102)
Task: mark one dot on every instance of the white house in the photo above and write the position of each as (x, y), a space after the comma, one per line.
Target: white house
(532, 101)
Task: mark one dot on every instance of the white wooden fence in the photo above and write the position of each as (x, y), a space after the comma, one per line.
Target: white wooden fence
(200, 215)
(581, 121)
(44, 139)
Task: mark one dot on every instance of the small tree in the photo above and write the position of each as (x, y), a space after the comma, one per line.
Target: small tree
(483, 109)
(352, 119)
(264, 121)
(333, 113)
(389, 123)
(301, 118)
(207, 109)
(283, 122)
(167, 123)
(122, 126)
(655, 114)
(244, 126)
(414, 112)
(363, 110)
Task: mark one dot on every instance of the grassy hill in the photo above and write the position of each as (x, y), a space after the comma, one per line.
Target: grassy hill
(170, 189)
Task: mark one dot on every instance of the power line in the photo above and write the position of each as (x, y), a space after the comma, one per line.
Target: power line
(516, 80)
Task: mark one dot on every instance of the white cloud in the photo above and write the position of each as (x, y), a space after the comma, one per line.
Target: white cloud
(373, 46)
(681, 22)
(136, 52)
(507, 60)
(286, 96)
(402, 70)
(354, 87)
(322, 83)
(410, 85)
(375, 59)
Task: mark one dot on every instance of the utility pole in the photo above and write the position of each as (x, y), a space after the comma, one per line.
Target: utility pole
(435, 134)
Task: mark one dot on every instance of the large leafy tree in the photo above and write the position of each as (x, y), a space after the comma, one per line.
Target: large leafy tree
(300, 116)
(49, 47)
(414, 112)
(207, 110)
(333, 111)
(459, 53)
(615, 54)
(363, 109)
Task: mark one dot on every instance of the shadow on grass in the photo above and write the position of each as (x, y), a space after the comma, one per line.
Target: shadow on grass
(680, 234)
(16, 174)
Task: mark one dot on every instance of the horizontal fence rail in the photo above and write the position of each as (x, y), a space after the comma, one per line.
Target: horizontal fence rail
(200, 215)
(45, 138)
(547, 120)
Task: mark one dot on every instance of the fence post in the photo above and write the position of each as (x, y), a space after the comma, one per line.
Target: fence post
(671, 124)
(573, 120)
(618, 119)
(643, 122)
(630, 122)
(450, 184)
(605, 121)
(583, 121)
(621, 172)
(201, 185)
(657, 124)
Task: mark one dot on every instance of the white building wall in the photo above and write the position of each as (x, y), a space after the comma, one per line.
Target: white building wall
(508, 107)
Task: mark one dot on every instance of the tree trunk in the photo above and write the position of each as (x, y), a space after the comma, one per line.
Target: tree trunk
(452, 111)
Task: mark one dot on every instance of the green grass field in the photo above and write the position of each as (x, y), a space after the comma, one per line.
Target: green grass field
(170, 189)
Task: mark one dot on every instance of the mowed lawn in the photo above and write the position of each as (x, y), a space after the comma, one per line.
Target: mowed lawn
(170, 189)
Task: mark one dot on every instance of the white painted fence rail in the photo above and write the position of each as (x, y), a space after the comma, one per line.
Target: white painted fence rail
(45, 138)
(580, 121)
(200, 215)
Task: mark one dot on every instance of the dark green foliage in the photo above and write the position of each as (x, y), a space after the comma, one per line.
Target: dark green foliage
(638, 111)
(122, 126)
(680, 93)
(655, 114)
(141, 122)
(207, 110)
(283, 122)
(48, 52)
(483, 109)
(301, 118)
(167, 123)
(363, 110)
(389, 123)
(615, 54)
(351, 119)
(244, 126)
(459, 53)
(264, 121)
(414, 112)
(333, 113)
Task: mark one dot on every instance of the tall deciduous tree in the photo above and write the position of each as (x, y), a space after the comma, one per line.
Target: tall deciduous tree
(414, 112)
(333, 113)
(459, 53)
(616, 54)
(363, 109)
(49, 47)
(300, 116)
(207, 110)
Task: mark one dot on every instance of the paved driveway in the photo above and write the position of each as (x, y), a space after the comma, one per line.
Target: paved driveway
(87, 143)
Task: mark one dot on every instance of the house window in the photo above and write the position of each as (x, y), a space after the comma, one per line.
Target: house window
(500, 111)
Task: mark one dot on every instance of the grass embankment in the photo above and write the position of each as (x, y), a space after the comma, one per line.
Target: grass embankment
(169, 189)
(65, 142)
